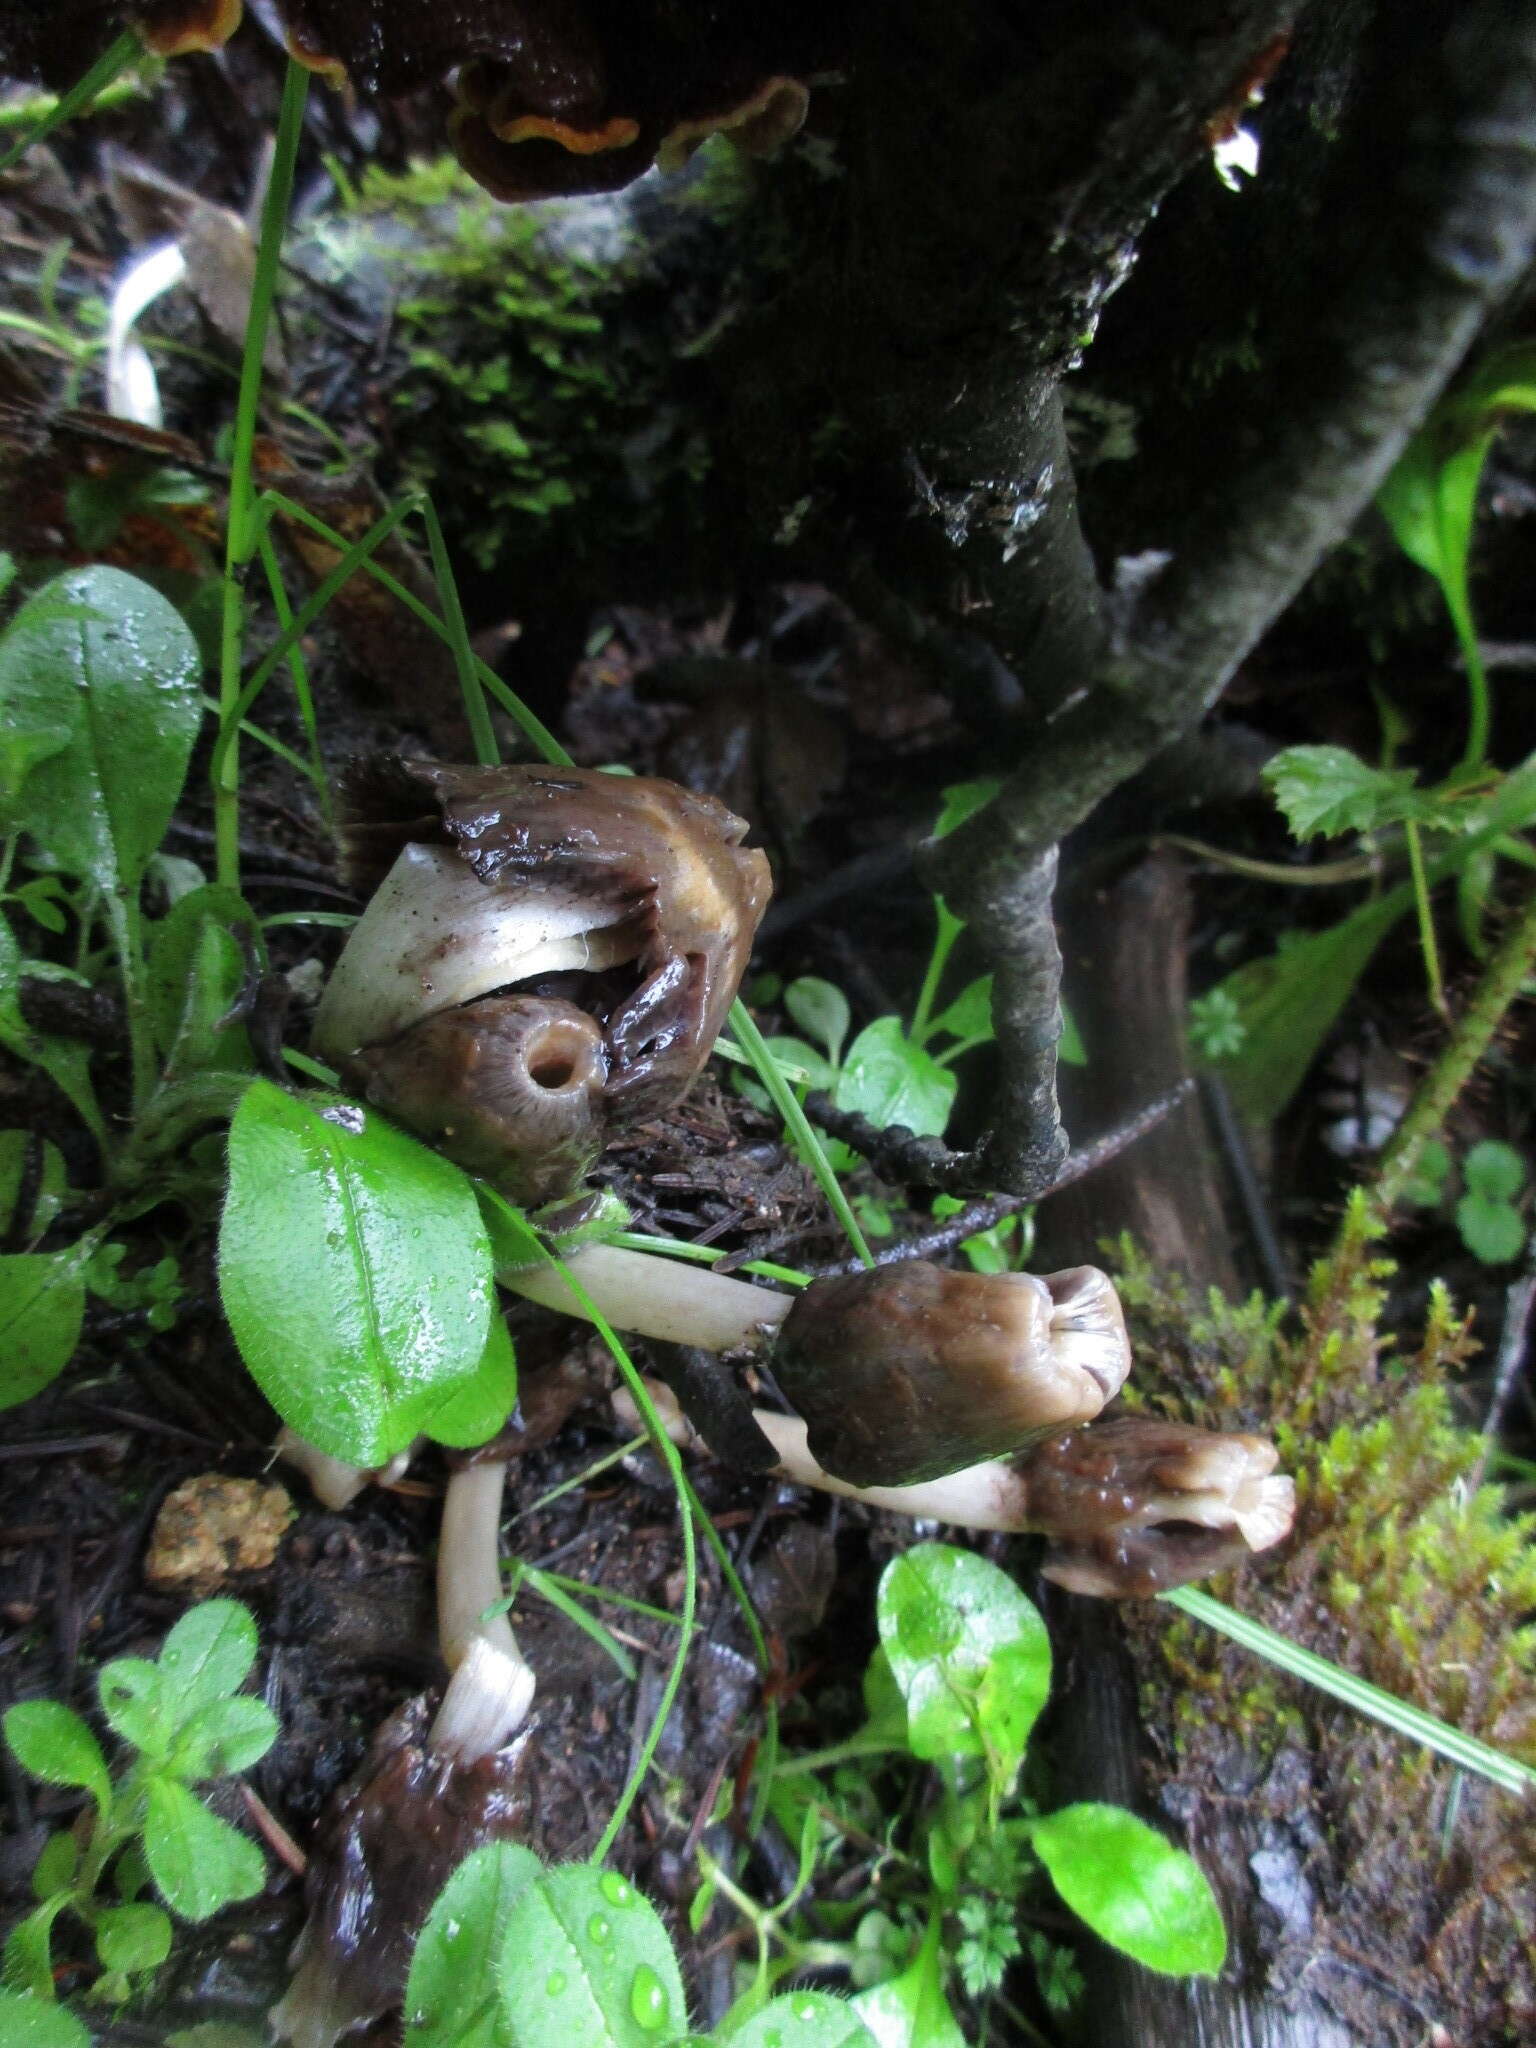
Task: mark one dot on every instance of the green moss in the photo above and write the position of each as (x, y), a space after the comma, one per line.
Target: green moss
(534, 383)
(1405, 1567)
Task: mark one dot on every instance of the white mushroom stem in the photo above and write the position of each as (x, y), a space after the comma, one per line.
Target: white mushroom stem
(491, 1689)
(333, 1482)
(658, 1297)
(995, 1495)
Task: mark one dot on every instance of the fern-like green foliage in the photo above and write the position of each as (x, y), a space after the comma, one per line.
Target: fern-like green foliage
(1405, 1567)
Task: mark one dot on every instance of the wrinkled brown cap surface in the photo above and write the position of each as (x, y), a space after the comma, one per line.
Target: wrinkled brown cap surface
(912, 1371)
(634, 846)
(1128, 1502)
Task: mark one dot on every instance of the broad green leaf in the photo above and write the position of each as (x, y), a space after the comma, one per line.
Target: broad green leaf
(1430, 498)
(33, 1183)
(1492, 1231)
(585, 1958)
(132, 1938)
(450, 1998)
(355, 1271)
(892, 1081)
(42, 1306)
(884, 1702)
(1288, 1003)
(1136, 1891)
(514, 1242)
(821, 1010)
(801, 2019)
(968, 1651)
(1329, 790)
(101, 655)
(815, 1071)
(225, 1735)
(28, 2022)
(480, 1407)
(199, 961)
(65, 1060)
(198, 1862)
(132, 1698)
(1493, 1170)
(1426, 1188)
(55, 1745)
(207, 1656)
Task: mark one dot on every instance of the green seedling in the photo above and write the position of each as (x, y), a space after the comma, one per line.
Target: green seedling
(1275, 1013)
(1493, 1176)
(183, 1720)
(960, 1889)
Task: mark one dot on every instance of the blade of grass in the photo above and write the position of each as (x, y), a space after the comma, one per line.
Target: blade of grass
(1405, 1720)
(784, 1101)
(534, 729)
(298, 670)
(487, 753)
(550, 1589)
(242, 528)
(125, 51)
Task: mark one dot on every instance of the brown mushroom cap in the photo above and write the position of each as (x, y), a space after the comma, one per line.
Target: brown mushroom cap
(912, 1371)
(649, 857)
(511, 1088)
(1134, 1505)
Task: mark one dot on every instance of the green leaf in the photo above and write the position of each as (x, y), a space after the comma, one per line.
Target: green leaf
(585, 1958)
(54, 1870)
(55, 1745)
(1329, 790)
(207, 1656)
(1136, 1891)
(66, 1061)
(1426, 1188)
(1493, 1170)
(198, 1862)
(821, 1009)
(132, 1937)
(108, 660)
(963, 800)
(1287, 1004)
(199, 961)
(29, 1947)
(1491, 1231)
(450, 1998)
(969, 1016)
(132, 1699)
(355, 1271)
(480, 1407)
(1430, 498)
(33, 1168)
(911, 2011)
(801, 2019)
(968, 1651)
(223, 1736)
(892, 1081)
(1070, 1050)
(42, 1306)
(28, 2022)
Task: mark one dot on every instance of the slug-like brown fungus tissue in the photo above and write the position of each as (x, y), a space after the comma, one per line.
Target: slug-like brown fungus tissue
(546, 958)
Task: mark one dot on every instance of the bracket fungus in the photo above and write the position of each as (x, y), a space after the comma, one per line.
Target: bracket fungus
(552, 97)
(546, 959)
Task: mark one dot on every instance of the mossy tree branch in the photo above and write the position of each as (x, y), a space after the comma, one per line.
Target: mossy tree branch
(1421, 256)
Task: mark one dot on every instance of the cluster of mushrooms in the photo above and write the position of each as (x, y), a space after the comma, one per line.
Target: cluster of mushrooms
(546, 958)
(550, 97)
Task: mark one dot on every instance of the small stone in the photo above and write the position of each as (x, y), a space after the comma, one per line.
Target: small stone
(212, 1526)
